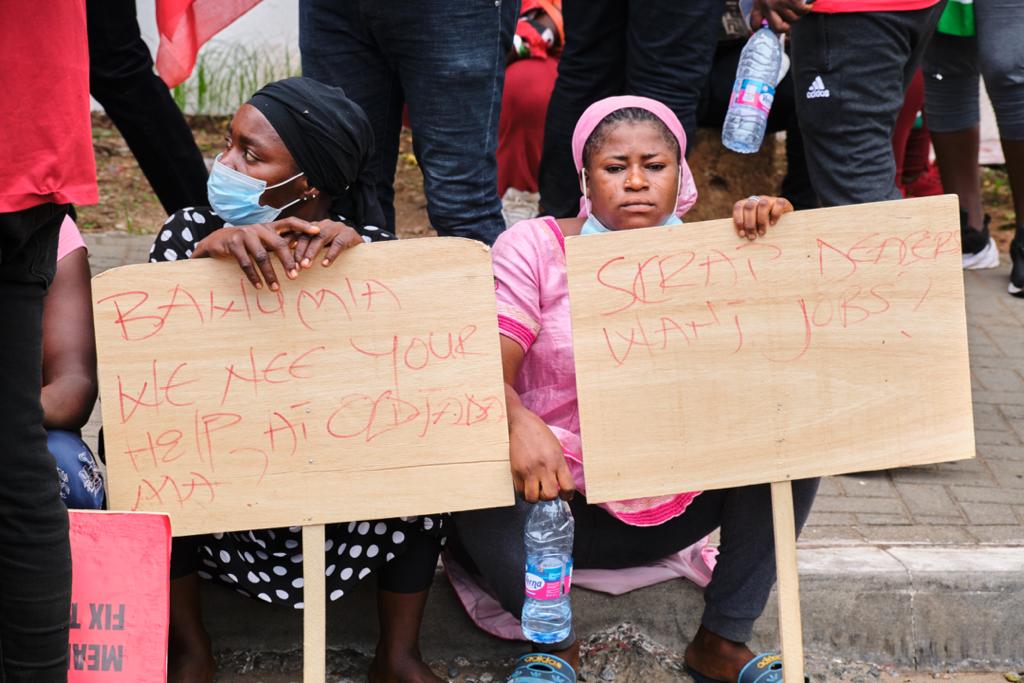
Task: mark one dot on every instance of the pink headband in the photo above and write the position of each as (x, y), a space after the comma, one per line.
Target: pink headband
(596, 113)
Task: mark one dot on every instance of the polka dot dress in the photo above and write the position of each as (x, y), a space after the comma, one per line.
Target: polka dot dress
(267, 564)
(184, 229)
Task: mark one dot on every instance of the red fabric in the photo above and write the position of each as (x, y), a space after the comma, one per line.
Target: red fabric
(833, 6)
(45, 129)
(528, 86)
(913, 102)
(184, 26)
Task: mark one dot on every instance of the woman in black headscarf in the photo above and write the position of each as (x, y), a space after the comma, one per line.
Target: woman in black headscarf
(291, 182)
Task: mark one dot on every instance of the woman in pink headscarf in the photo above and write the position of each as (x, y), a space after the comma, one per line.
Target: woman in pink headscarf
(629, 155)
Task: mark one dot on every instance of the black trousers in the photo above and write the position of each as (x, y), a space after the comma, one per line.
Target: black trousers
(660, 49)
(35, 557)
(121, 78)
(714, 104)
(490, 543)
(850, 73)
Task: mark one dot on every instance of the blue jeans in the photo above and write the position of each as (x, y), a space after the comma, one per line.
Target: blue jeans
(446, 61)
(78, 474)
(660, 49)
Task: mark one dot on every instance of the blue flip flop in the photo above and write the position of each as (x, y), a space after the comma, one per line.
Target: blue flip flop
(763, 668)
(542, 668)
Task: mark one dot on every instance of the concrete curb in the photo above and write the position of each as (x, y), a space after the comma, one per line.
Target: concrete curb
(912, 606)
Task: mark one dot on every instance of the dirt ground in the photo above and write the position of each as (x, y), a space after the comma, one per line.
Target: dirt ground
(127, 203)
(619, 655)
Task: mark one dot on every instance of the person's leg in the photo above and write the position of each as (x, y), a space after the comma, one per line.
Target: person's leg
(121, 78)
(1002, 65)
(847, 124)
(913, 101)
(743, 577)
(916, 164)
(796, 185)
(339, 48)
(524, 103)
(670, 45)
(592, 67)
(951, 107)
(454, 99)
(1000, 25)
(35, 554)
(190, 653)
(402, 589)
(490, 543)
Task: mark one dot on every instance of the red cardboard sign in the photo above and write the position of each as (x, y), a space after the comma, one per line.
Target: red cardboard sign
(119, 597)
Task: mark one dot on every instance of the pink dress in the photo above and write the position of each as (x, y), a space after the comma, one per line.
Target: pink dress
(533, 309)
(69, 239)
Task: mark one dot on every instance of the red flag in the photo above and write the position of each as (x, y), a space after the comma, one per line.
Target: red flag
(184, 26)
(119, 597)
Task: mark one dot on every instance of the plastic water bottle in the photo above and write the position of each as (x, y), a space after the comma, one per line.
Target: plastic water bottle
(753, 92)
(547, 613)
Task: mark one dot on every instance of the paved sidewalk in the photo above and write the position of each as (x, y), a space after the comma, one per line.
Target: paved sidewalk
(977, 501)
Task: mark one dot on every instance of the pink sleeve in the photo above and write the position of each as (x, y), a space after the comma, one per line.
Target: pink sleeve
(69, 239)
(516, 259)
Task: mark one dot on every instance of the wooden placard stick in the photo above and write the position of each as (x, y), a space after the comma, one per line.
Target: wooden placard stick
(790, 631)
(314, 607)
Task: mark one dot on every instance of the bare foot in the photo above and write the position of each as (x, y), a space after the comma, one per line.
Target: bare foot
(571, 655)
(408, 668)
(716, 657)
(190, 664)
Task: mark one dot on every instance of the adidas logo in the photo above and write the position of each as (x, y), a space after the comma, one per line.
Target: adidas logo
(817, 89)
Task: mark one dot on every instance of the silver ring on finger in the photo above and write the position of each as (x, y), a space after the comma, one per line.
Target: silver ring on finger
(754, 198)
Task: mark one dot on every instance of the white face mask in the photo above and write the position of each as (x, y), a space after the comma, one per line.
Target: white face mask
(235, 196)
(593, 226)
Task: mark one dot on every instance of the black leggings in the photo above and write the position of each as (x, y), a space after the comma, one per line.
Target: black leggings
(35, 556)
(492, 542)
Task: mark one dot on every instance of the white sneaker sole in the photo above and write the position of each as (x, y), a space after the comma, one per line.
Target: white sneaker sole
(1015, 290)
(986, 258)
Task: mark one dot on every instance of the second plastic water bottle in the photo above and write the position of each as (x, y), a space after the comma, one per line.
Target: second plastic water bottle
(753, 92)
(547, 612)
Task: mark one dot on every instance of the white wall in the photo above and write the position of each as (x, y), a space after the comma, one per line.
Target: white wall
(273, 24)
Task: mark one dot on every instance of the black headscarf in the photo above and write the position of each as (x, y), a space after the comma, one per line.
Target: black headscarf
(330, 139)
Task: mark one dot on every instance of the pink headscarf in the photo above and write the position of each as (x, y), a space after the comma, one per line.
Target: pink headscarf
(596, 112)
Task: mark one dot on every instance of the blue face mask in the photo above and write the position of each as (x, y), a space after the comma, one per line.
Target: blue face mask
(592, 226)
(235, 197)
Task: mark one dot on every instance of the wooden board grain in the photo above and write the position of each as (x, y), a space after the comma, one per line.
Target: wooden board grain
(837, 343)
(788, 583)
(367, 390)
(314, 608)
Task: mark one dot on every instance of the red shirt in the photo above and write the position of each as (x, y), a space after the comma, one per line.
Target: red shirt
(45, 128)
(833, 6)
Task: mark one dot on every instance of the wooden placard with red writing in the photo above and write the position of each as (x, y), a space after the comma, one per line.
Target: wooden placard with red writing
(837, 343)
(119, 597)
(369, 389)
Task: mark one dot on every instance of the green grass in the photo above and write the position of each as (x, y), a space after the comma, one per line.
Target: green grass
(227, 75)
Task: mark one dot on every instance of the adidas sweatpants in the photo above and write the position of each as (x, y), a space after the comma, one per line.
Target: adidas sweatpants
(851, 71)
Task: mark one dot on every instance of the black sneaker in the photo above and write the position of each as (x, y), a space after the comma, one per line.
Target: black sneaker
(977, 246)
(1016, 286)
